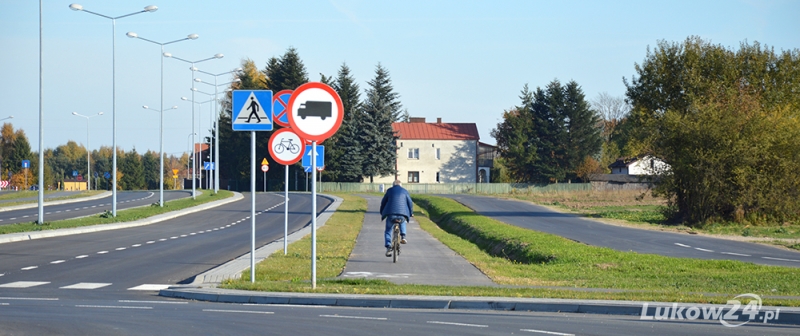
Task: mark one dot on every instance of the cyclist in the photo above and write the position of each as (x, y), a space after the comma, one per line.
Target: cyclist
(396, 203)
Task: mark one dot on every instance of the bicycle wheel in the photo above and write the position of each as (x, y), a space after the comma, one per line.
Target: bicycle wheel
(294, 148)
(279, 148)
(395, 243)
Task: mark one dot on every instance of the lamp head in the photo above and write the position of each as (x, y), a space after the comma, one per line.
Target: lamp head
(74, 113)
(184, 98)
(219, 56)
(145, 107)
(151, 8)
(194, 89)
(193, 68)
(238, 69)
(132, 35)
(166, 54)
(175, 107)
(198, 80)
(100, 113)
(193, 36)
(76, 7)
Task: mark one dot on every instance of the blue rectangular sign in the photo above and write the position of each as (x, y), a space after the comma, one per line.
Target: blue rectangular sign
(251, 110)
(320, 156)
(26, 163)
(208, 166)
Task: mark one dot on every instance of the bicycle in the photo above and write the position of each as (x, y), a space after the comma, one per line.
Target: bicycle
(396, 239)
(293, 148)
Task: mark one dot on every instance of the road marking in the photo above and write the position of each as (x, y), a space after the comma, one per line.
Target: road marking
(102, 252)
(23, 284)
(86, 285)
(112, 307)
(120, 248)
(28, 299)
(736, 254)
(173, 237)
(29, 268)
(136, 245)
(164, 302)
(202, 231)
(228, 225)
(460, 324)
(81, 256)
(237, 311)
(702, 249)
(151, 242)
(26, 216)
(3, 304)
(149, 287)
(12, 218)
(682, 245)
(162, 239)
(57, 261)
(781, 259)
(2, 274)
(193, 233)
(356, 317)
(546, 332)
(67, 210)
(183, 236)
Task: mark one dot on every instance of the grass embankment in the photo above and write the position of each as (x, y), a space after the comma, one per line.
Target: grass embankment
(128, 215)
(561, 263)
(9, 197)
(641, 208)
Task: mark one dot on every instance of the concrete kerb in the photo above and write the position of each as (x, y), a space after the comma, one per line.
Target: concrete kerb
(234, 268)
(13, 237)
(788, 315)
(67, 201)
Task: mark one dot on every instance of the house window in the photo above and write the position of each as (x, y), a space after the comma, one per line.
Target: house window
(438, 153)
(437, 177)
(413, 177)
(413, 153)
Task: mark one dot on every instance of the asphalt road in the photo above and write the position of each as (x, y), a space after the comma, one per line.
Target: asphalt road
(530, 216)
(145, 258)
(35, 198)
(154, 316)
(125, 200)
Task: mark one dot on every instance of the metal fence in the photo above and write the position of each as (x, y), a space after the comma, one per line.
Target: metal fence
(457, 188)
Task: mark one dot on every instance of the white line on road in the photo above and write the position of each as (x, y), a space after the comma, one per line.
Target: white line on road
(12, 218)
(736, 254)
(24, 284)
(86, 285)
(546, 332)
(136, 245)
(356, 317)
(183, 236)
(112, 307)
(165, 302)
(781, 259)
(682, 245)
(26, 216)
(151, 242)
(29, 268)
(702, 249)
(149, 287)
(173, 237)
(102, 252)
(29, 299)
(57, 261)
(460, 324)
(236, 311)
(3, 304)
(193, 233)
(162, 239)
(120, 248)
(81, 256)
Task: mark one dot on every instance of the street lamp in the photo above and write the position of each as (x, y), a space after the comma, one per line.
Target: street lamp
(199, 124)
(77, 7)
(88, 151)
(214, 128)
(216, 116)
(188, 143)
(6, 118)
(217, 56)
(161, 132)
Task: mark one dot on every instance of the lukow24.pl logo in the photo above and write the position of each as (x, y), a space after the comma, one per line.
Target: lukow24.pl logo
(742, 309)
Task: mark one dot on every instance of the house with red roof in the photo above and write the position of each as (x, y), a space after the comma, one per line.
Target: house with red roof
(439, 153)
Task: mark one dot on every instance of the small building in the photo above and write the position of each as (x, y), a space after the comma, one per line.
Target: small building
(440, 153)
(647, 165)
(75, 185)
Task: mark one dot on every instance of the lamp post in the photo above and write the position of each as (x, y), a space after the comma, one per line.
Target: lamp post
(188, 143)
(88, 150)
(77, 7)
(194, 192)
(216, 118)
(198, 128)
(161, 133)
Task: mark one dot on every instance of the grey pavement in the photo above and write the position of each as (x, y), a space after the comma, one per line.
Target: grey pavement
(424, 260)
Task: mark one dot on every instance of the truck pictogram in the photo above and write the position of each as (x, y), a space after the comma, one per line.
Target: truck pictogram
(312, 108)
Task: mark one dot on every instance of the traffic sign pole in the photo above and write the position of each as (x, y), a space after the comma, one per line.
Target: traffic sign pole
(253, 206)
(286, 210)
(314, 216)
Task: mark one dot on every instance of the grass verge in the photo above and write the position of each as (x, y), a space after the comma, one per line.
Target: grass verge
(574, 273)
(128, 215)
(9, 197)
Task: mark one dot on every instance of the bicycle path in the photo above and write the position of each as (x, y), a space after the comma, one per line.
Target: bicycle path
(424, 260)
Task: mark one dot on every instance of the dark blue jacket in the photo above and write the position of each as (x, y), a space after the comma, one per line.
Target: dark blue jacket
(396, 201)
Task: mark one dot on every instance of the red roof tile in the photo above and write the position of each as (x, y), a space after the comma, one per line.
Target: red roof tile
(436, 131)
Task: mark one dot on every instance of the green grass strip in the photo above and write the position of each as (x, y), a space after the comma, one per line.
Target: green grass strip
(13, 195)
(127, 215)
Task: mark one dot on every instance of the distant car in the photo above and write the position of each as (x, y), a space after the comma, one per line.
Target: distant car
(312, 108)
(34, 187)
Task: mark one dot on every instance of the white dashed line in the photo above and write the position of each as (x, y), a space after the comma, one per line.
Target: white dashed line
(57, 261)
(356, 317)
(460, 324)
(781, 259)
(136, 245)
(702, 249)
(236, 311)
(26, 216)
(149, 287)
(120, 248)
(68, 210)
(29, 268)
(173, 237)
(193, 233)
(12, 218)
(159, 302)
(546, 332)
(23, 284)
(81, 256)
(162, 239)
(102, 252)
(47, 213)
(682, 245)
(86, 285)
(182, 236)
(112, 307)
(151, 242)
(736, 254)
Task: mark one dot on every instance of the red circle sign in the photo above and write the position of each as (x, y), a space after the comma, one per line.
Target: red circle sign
(315, 111)
(286, 147)
(265, 168)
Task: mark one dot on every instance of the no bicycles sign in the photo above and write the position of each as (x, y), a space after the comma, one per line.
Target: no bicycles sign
(286, 147)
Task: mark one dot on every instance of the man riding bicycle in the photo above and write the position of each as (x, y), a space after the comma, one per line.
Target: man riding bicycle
(396, 204)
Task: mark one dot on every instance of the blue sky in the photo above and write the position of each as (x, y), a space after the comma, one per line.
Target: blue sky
(463, 61)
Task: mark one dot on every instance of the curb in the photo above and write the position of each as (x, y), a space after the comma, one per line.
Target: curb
(73, 200)
(14, 237)
(787, 315)
(233, 269)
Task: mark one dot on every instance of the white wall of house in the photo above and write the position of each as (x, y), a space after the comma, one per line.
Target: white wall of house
(645, 166)
(418, 161)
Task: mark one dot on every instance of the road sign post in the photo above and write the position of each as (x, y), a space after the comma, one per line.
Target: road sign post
(245, 105)
(286, 148)
(315, 113)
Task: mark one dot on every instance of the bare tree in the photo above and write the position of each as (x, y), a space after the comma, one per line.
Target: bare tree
(612, 110)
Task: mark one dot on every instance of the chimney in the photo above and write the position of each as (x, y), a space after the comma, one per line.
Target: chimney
(438, 120)
(416, 120)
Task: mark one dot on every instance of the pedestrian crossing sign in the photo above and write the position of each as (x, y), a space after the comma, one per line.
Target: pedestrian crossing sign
(251, 110)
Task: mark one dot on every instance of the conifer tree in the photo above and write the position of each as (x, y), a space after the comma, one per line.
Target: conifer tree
(382, 86)
(377, 137)
(344, 161)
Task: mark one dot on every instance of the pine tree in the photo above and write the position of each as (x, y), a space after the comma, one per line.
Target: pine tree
(21, 150)
(132, 171)
(377, 138)
(582, 124)
(514, 140)
(291, 72)
(382, 86)
(344, 157)
(150, 166)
